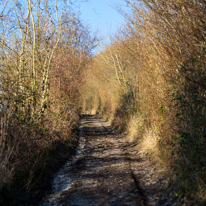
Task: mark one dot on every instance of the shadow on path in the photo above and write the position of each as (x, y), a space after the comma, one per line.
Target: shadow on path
(109, 171)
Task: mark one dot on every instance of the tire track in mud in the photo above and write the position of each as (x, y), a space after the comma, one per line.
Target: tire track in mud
(106, 171)
(103, 176)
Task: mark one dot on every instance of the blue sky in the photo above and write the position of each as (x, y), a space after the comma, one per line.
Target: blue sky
(99, 15)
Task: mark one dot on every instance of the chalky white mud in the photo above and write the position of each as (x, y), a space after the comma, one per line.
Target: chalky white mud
(64, 179)
(107, 170)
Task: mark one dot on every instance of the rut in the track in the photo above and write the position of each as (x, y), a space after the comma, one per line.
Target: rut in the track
(103, 174)
(109, 171)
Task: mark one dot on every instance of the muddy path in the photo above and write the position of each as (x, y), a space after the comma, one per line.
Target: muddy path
(107, 170)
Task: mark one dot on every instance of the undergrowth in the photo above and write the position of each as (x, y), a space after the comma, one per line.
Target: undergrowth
(44, 49)
(150, 81)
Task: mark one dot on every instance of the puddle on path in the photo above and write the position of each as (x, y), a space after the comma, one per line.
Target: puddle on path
(64, 179)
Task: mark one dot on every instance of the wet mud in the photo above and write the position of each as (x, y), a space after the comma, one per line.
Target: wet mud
(107, 170)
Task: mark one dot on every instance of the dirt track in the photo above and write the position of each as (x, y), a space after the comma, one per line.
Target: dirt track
(111, 172)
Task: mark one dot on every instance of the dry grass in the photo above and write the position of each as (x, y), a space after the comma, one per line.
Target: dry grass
(42, 60)
(149, 142)
(147, 138)
(134, 128)
(151, 82)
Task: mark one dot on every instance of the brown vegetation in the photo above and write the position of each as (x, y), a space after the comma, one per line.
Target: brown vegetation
(44, 49)
(151, 81)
